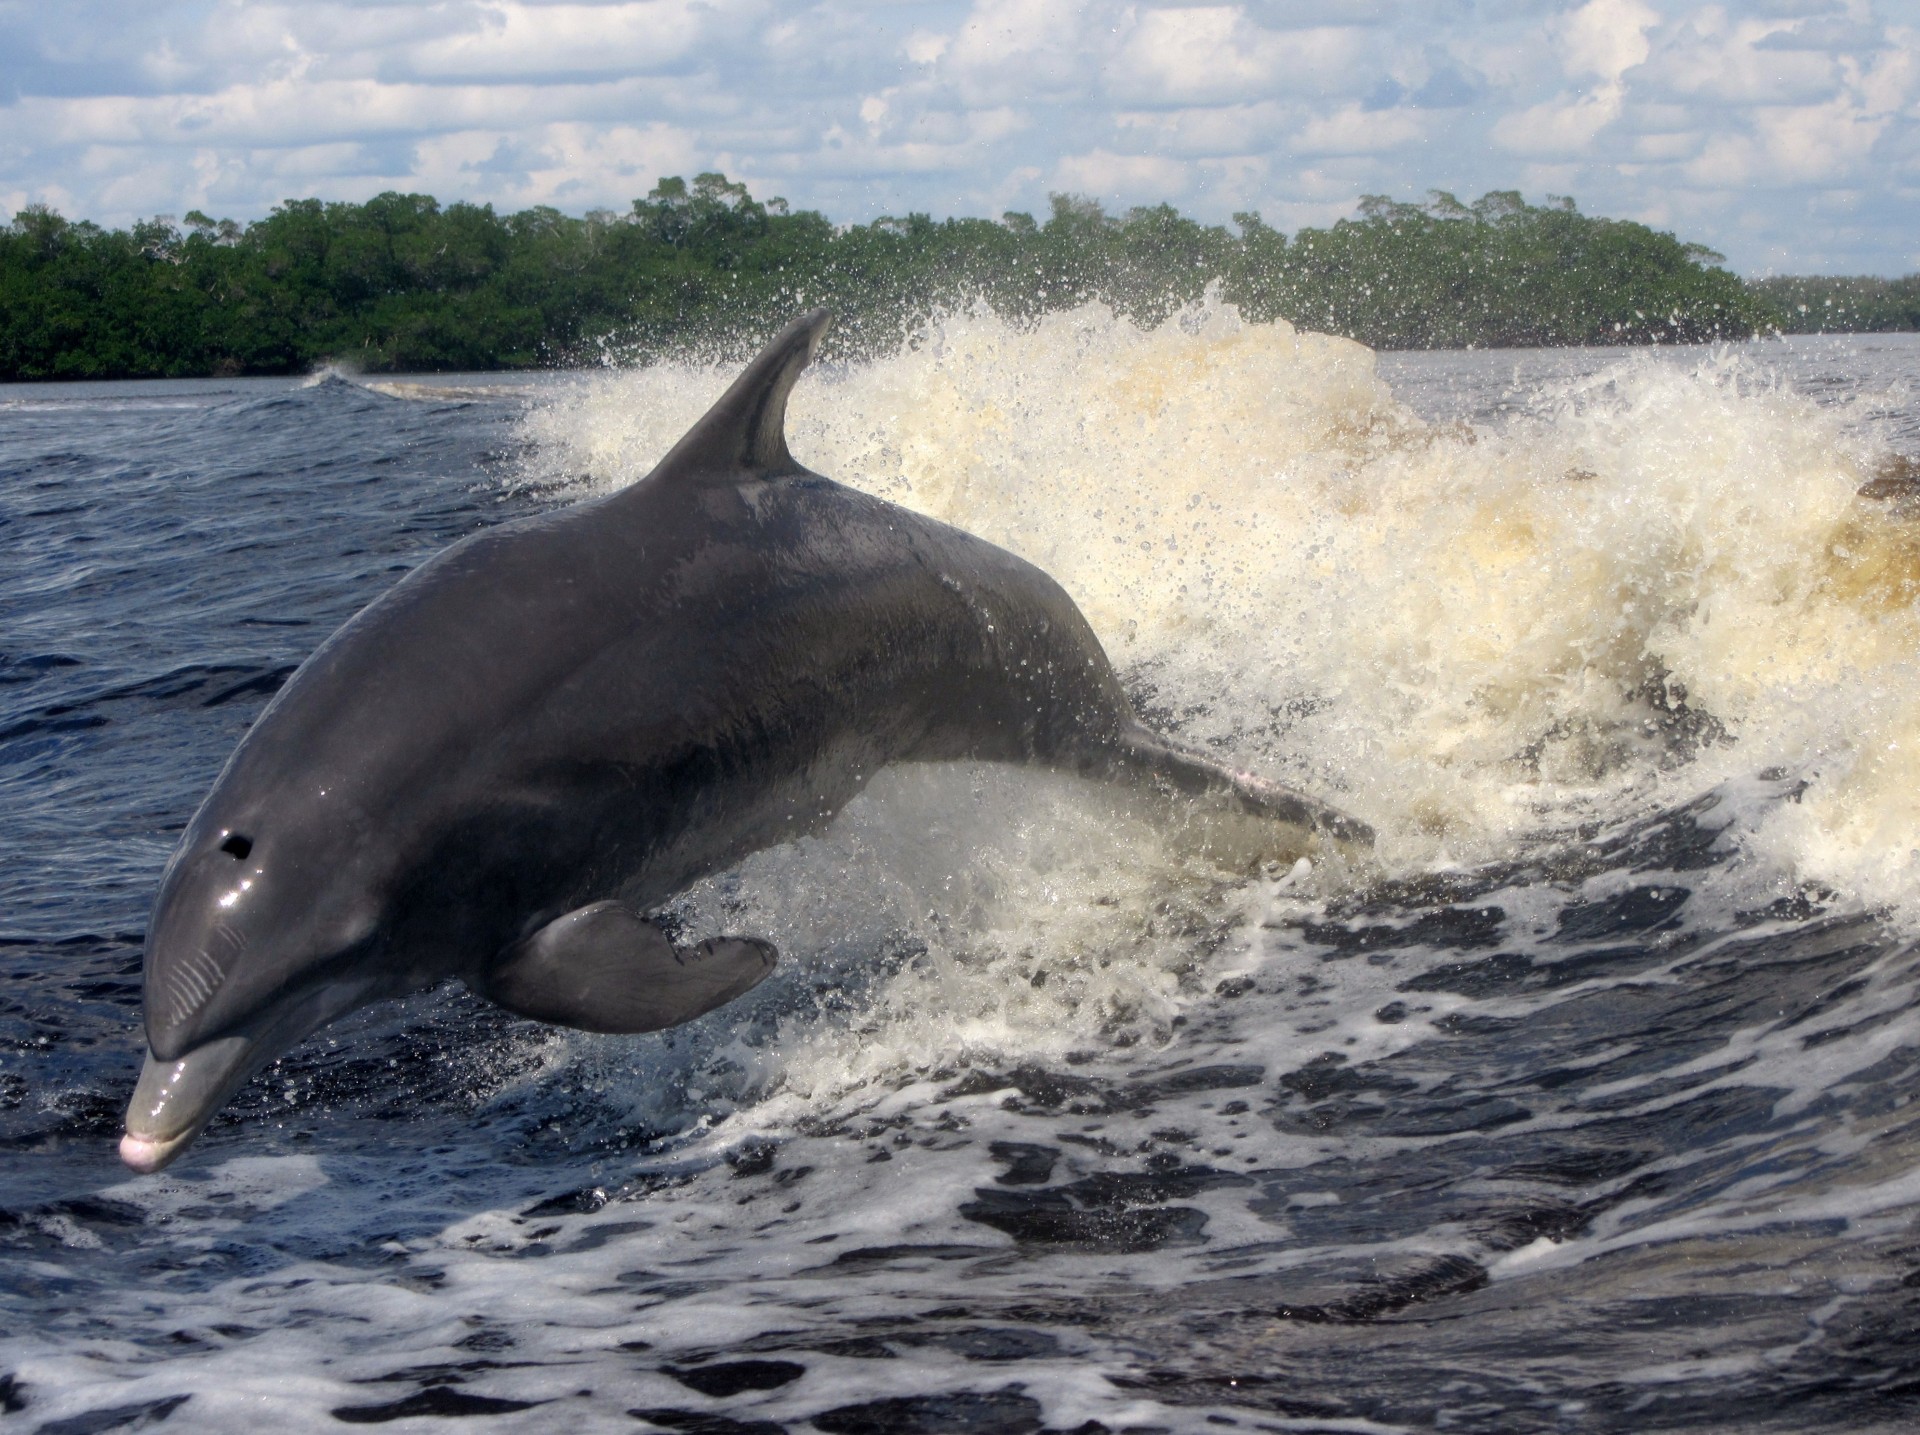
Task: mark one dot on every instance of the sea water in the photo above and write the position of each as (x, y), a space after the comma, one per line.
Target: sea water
(1584, 1105)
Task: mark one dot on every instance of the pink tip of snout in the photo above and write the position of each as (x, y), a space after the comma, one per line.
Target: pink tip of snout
(143, 1155)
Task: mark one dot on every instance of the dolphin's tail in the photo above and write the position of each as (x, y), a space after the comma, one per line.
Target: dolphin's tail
(1145, 756)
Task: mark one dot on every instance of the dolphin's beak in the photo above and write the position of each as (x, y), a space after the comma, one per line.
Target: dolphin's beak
(174, 1100)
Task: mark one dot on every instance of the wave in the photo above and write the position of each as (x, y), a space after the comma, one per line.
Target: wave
(1647, 581)
(207, 685)
(420, 390)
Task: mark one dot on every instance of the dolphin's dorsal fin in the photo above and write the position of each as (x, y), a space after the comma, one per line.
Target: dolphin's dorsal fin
(747, 428)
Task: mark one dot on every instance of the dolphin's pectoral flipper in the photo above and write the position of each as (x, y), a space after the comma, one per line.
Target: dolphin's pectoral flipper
(603, 968)
(1145, 754)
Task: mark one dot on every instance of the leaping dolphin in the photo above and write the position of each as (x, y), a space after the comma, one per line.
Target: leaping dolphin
(497, 769)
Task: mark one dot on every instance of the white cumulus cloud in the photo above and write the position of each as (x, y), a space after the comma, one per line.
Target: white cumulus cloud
(1606, 38)
(1215, 53)
(510, 39)
(1784, 132)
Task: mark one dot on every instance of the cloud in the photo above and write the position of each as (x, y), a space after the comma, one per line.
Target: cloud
(1564, 126)
(1601, 41)
(1823, 33)
(1606, 38)
(1206, 130)
(509, 40)
(293, 112)
(1718, 60)
(1355, 130)
(560, 163)
(1446, 87)
(1737, 118)
(1789, 147)
(1018, 50)
(1214, 53)
(1116, 178)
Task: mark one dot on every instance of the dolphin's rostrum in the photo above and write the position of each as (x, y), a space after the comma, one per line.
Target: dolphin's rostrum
(496, 770)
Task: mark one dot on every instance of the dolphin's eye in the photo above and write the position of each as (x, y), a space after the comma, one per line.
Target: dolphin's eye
(237, 846)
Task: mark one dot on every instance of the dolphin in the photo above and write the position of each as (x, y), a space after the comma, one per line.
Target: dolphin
(496, 770)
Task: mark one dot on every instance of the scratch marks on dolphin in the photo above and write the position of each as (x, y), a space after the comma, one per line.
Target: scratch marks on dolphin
(196, 975)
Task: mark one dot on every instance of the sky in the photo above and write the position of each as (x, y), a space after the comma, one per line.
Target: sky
(1784, 133)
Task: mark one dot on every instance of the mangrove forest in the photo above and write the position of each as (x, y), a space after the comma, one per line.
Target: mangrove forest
(405, 283)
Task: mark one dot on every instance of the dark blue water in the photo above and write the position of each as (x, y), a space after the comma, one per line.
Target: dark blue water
(1578, 1138)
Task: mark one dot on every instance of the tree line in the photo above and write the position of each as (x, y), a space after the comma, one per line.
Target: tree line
(403, 282)
(1857, 304)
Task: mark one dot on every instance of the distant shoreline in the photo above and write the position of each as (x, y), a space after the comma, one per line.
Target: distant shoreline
(404, 284)
(530, 378)
(1842, 304)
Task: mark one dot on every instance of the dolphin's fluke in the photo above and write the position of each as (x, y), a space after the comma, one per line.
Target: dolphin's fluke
(603, 968)
(747, 428)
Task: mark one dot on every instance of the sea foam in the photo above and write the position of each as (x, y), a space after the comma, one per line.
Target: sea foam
(1659, 576)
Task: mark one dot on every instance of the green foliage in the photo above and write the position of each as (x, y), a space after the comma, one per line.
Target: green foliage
(1844, 305)
(404, 283)
(1498, 273)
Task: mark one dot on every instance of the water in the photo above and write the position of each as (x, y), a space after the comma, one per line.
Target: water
(1589, 1108)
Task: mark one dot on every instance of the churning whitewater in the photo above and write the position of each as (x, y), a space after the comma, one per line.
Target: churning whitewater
(1583, 1106)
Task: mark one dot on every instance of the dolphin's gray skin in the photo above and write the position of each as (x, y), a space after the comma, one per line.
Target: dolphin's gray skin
(497, 769)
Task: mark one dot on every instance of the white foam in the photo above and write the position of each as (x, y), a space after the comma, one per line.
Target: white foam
(1451, 631)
